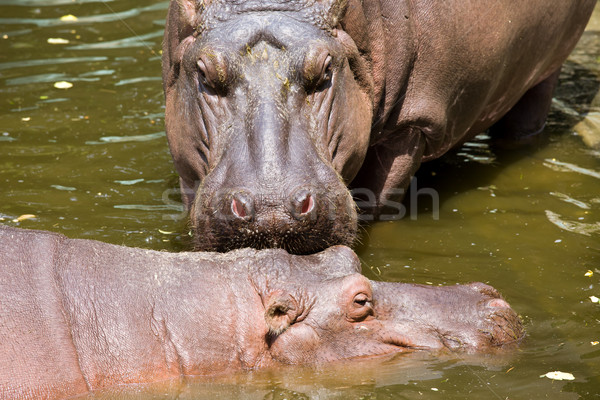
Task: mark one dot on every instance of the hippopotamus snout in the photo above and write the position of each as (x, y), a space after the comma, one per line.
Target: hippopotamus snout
(468, 317)
(291, 219)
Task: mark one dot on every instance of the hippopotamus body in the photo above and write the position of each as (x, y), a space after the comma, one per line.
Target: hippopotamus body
(79, 315)
(273, 107)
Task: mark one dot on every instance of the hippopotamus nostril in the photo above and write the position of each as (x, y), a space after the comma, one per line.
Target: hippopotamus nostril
(307, 204)
(242, 205)
(303, 204)
(238, 208)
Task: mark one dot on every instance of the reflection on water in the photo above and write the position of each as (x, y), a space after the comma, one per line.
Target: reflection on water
(92, 161)
(130, 138)
(568, 167)
(401, 377)
(572, 226)
(110, 15)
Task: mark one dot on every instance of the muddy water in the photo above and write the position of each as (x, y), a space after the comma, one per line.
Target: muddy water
(91, 161)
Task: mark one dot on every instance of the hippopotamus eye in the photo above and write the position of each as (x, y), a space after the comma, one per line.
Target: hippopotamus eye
(361, 300)
(326, 74)
(203, 74)
(318, 69)
(327, 68)
(361, 308)
(212, 74)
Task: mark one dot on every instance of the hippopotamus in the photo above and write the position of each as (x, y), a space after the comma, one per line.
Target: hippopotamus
(80, 315)
(275, 109)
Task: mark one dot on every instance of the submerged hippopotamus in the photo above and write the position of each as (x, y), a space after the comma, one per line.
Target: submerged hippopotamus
(79, 315)
(273, 107)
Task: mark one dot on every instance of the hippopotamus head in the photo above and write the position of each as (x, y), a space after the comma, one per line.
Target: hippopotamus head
(336, 313)
(268, 119)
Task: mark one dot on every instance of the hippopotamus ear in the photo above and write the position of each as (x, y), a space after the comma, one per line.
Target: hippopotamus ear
(281, 311)
(335, 10)
(189, 10)
(182, 21)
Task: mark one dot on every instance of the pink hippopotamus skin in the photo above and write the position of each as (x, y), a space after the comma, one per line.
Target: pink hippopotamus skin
(275, 108)
(81, 315)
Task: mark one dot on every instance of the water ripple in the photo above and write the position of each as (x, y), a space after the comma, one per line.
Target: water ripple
(568, 167)
(44, 78)
(569, 199)
(49, 61)
(576, 227)
(123, 139)
(134, 41)
(44, 3)
(138, 80)
(93, 19)
(144, 207)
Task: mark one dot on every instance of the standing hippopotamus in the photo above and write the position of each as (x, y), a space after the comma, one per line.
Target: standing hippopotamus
(273, 107)
(79, 315)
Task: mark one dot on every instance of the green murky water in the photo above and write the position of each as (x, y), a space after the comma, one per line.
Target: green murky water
(91, 161)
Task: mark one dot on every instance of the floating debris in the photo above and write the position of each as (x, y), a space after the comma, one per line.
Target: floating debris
(558, 376)
(594, 299)
(63, 85)
(68, 18)
(58, 41)
(24, 217)
(589, 273)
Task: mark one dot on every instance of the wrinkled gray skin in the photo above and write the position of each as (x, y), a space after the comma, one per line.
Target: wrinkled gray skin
(273, 107)
(79, 315)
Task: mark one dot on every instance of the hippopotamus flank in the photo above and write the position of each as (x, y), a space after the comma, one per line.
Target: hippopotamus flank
(273, 107)
(79, 315)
